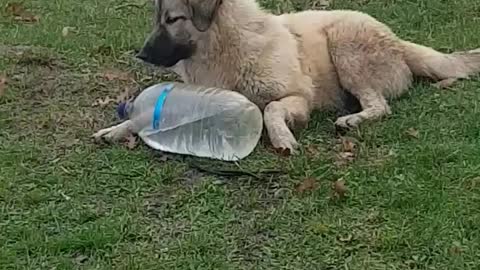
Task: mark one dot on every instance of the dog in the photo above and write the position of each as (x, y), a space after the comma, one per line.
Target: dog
(292, 64)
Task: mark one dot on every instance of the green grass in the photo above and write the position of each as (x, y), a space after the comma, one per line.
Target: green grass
(66, 203)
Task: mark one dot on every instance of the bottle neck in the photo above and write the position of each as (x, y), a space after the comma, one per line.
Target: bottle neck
(124, 109)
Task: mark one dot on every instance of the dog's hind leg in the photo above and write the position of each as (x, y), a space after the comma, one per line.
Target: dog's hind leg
(373, 104)
(370, 65)
(279, 115)
(371, 78)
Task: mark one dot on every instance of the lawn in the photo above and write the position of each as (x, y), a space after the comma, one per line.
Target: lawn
(412, 179)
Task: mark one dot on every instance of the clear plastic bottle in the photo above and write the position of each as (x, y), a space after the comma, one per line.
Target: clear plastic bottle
(195, 120)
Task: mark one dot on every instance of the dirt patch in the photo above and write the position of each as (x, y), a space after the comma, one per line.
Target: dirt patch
(54, 101)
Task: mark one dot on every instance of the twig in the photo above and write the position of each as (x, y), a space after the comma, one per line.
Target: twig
(229, 172)
(260, 174)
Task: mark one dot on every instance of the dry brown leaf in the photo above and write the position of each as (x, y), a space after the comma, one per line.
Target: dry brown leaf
(339, 188)
(102, 102)
(413, 133)
(308, 184)
(17, 10)
(348, 151)
(131, 141)
(3, 85)
(348, 144)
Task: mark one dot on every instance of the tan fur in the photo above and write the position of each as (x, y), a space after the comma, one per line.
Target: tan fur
(294, 63)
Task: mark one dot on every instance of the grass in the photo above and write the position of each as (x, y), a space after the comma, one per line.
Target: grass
(66, 203)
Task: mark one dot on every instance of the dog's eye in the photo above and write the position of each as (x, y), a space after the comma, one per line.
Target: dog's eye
(172, 20)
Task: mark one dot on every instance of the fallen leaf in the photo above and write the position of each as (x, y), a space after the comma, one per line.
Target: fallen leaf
(413, 133)
(17, 10)
(339, 188)
(308, 184)
(131, 141)
(348, 144)
(348, 151)
(3, 85)
(102, 102)
(67, 30)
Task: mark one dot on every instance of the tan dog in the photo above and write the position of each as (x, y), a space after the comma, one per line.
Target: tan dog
(294, 63)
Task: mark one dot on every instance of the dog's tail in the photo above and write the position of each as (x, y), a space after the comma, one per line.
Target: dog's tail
(427, 62)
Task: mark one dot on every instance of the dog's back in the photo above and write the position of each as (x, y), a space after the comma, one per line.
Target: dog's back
(325, 35)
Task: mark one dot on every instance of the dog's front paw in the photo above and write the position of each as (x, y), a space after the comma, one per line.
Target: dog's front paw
(284, 142)
(112, 134)
(105, 134)
(349, 121)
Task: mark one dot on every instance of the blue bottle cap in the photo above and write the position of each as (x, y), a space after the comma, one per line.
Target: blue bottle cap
(122, 110)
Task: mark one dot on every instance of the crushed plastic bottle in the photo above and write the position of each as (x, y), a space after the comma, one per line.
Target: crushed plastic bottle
(195, 120)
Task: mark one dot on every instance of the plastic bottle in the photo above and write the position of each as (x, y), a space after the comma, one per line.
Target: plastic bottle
(195, 120)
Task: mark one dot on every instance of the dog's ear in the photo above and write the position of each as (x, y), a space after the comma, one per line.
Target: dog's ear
(203, 12)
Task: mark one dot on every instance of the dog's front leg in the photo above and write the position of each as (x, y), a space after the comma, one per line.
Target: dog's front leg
(279, 115)
(115, 133)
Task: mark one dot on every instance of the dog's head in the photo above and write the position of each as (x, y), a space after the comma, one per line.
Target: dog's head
(178, 26)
